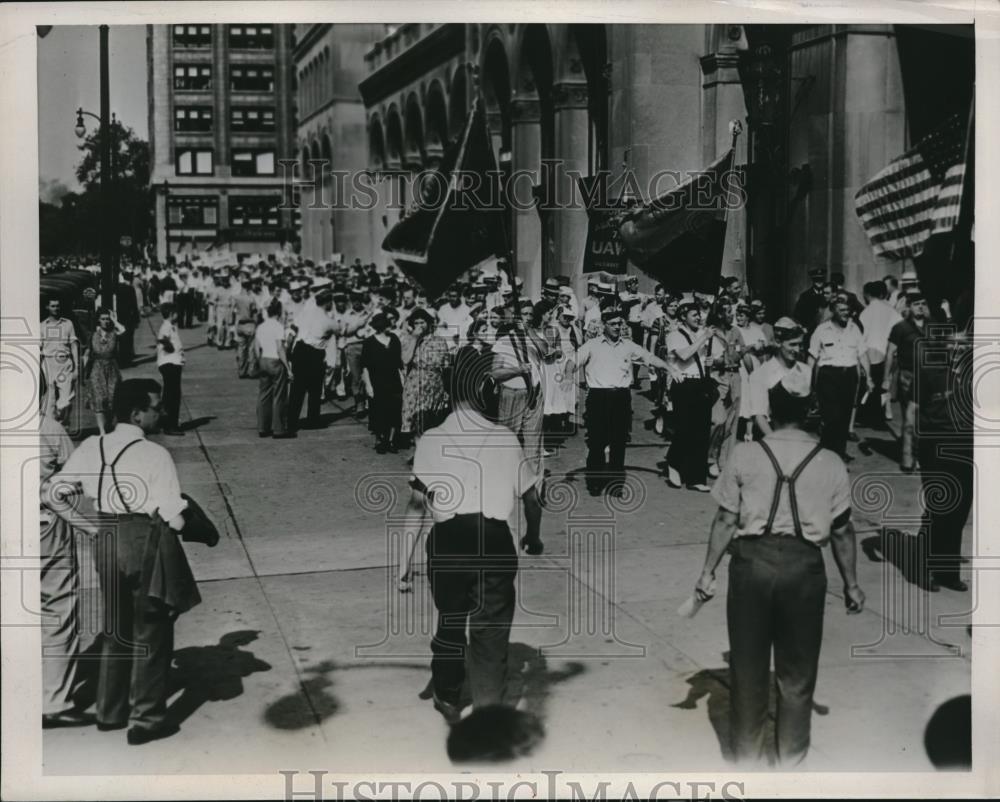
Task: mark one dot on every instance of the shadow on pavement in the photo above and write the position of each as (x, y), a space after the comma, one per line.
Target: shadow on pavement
(948, 736)
(195, 423)
(213, 673)
(714, 683)
(899, 549)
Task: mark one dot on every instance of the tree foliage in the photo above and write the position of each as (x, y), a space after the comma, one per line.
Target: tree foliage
(76, 226)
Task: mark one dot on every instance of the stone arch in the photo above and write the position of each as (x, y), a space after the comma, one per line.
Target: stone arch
(534, 79)
(393, 138)
(457, 102)
(376, 144)
(495, 71)
(327, 151)
(587, 51)
(436, 133)
(413, 130)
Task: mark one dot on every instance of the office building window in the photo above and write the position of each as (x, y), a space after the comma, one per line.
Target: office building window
(194, 162)
(192, 35)
(193, 118)
(253, 162)
(247, 212)
(257, 37)
(252, 119)
(193, 76)
(193, 212)
(251, 78)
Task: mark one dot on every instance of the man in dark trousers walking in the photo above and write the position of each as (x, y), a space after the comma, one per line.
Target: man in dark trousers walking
(781, 499)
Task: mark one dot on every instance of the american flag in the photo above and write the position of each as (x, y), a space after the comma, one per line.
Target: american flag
(917, 195)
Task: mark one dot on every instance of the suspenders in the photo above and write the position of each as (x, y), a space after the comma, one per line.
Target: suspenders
(783, 479)
(114, 476)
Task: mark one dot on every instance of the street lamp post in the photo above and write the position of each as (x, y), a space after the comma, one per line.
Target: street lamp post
(166, 220)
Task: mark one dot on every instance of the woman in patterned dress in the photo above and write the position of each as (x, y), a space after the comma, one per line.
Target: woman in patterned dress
(101, 369)
(425, 398)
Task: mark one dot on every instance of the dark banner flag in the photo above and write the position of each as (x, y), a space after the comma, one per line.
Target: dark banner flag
(605, 251)
(459, 220)
(678, 238)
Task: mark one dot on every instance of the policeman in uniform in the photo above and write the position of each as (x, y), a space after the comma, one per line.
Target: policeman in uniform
(468, 474)
(782, 498)
(607, 363)
(945, 446)
(901, 351)
(135, 481)
(811, 302)
(837, 348)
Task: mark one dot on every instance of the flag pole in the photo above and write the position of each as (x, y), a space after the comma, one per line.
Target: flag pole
(735, 129)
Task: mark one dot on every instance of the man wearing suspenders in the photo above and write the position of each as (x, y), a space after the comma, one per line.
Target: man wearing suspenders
(146, 581)
(783, 498)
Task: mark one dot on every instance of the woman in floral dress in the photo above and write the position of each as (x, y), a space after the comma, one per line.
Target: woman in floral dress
(101, 369)
(425, 398)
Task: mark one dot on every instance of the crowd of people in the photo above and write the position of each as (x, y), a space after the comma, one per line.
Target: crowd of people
(736, 387)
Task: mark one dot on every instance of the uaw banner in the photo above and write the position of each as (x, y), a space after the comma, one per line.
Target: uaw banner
(457, 221)
(605, 251)
(679, 237)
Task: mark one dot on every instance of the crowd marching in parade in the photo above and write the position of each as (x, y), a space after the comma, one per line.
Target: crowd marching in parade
(723, 371)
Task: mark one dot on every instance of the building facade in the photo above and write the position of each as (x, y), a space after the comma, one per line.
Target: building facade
(221, 120)
(823, 108)
(331, 139)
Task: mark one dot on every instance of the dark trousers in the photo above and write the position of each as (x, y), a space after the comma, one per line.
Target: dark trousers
(688, 452)
(471, 564)
(171, 394)
(873, 413)
(608, 417)
(308, 368)
(945, 513)
(272, 397)
(836, 390)
(352, 356)
(138, 641)
(777, 591)
(185, 310)
(126, 347)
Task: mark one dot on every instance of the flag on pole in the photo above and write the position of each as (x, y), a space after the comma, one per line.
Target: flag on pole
(457, 220)
(679, 237)
(918, 194)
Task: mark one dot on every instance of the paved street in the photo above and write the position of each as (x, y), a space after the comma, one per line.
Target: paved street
(304, 656)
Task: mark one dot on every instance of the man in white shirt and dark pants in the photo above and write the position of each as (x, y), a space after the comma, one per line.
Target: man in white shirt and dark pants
(877, 320)
(607, 362)
(315, 327)
(837, 349)
(170, 363)
(468, 474)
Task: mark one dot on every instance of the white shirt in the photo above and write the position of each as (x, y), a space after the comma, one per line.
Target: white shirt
(607, 364)
(685, 368)
(454, 322)
(878, 318)
(168, 331)
(314, 325)
(764, 378)
(836, 346)
(147, 477)
(268, 335)
(472, 465)
(58, 337)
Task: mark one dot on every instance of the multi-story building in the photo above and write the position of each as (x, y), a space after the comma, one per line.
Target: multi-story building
(329, 65)
(824, 107)
(221, 119)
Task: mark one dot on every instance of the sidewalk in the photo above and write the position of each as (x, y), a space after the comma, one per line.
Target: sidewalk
(306, 657)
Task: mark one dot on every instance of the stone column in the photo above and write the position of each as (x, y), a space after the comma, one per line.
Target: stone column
(723, 103)
(527, 146)
(572, 136)
(655, 102)
(849, 123)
